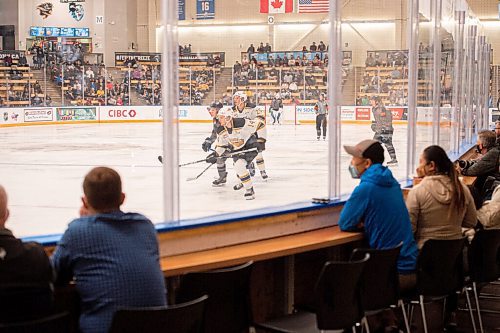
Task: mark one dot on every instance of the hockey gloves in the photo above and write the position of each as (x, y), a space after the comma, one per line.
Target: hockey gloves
(206, 145)
(212, 158)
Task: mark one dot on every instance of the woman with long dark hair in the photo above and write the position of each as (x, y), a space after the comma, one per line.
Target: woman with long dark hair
(440, 205)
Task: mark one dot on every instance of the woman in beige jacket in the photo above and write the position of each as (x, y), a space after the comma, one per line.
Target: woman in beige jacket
(489, 214)
(440, 205)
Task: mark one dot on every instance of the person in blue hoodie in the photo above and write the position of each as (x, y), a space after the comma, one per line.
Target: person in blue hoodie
(377, 206)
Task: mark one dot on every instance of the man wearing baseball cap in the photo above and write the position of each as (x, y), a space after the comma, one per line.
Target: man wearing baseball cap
(377, 205)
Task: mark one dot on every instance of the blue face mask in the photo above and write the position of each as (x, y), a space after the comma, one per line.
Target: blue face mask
(354, 172)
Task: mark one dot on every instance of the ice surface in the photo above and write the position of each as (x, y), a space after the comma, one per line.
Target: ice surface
(42, 168)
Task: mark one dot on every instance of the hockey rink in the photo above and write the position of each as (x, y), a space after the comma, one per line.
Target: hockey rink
(42, 169)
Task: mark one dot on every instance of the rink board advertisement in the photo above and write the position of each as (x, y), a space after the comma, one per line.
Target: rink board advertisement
(38, 115)
(76, 114)
(129, 113)
(12, 116)
(306, 114)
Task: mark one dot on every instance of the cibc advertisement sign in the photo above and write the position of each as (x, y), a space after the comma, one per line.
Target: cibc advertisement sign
(129, 113)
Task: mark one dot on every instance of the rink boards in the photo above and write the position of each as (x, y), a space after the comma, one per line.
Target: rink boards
(291, 114)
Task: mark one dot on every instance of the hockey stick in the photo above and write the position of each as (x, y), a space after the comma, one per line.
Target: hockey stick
(160, 158)
(201, 173)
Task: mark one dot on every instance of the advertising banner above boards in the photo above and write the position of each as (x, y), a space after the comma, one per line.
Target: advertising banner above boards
(59, 32)
(15, 54)
(38, 115)
(12, 116)
(129, 113)
(120, 57)
(264, 56)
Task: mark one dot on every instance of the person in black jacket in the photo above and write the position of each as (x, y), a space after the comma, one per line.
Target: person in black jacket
(487, 166)
(213, 109)
(382, 126)
(23, 265)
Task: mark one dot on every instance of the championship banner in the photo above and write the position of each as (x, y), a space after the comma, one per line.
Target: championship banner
(181, 10)
(205, 9)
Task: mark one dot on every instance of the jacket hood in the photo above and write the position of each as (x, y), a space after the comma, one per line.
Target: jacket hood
(439, 187)
(379, 175)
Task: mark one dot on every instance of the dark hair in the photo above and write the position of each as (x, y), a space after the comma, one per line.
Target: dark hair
(103, 188)
(445, 166)
(375, 153)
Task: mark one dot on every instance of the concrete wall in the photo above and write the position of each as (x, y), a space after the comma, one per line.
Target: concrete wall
(8, 16)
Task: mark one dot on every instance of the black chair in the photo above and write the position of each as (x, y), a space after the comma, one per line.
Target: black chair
(337, 302)
(379, 287)
(439, 272)
(55, 323)
(228, 305)
(22, 302)
(180, 318)
(484, 263)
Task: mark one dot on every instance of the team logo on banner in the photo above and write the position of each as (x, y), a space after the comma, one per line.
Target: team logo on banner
(76, 11)
(45, 9)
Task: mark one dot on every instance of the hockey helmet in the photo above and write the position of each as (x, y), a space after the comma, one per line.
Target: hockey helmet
(240, 94)
(225, 112)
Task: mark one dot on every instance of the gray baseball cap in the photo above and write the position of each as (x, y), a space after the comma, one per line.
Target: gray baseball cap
(359, 149)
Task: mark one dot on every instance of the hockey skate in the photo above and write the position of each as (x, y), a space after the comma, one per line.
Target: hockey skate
(220, 181)
(264, 175)
(238, 186)
(392, 162)
(251, 169)
(250, 194)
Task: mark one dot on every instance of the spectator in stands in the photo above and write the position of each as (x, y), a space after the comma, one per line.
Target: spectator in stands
(321, 46)
(485, 166)
(304, 48)
(251, 49)
(23, 62)
(267, 48)
(440, 205)
(7, 60)
(489, 214)
(23, 264)
(377, 206)
(261, 48)
(370, 61)
(112, 255)
(313, 47)
(270, 61)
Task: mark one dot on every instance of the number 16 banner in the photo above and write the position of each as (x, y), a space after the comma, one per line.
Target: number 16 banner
(205, 9)
(276, 6)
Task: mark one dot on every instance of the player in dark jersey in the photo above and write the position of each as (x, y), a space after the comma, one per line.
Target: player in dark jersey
(382, 126)
(213, 109)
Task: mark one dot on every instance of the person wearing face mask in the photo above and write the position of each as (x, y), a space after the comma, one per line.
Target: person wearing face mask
(440, 205)
(377, 206)
(485, 166)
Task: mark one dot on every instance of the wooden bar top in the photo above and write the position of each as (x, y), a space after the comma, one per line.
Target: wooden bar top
(256, 251)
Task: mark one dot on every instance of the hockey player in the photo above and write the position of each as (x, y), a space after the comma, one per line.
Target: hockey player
(213, 109)
(382, 126)
(242, 109)
(237, 134)
(276, 108)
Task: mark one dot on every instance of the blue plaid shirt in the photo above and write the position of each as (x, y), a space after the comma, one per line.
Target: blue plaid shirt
(114, 259)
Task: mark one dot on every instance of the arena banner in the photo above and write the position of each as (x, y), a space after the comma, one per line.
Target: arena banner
(398, 112)
(11, 116)
(129, 113)
(83, 113)
(38, 115)
(205, 9)
(181, 10)
(14, 54)
(120, 57)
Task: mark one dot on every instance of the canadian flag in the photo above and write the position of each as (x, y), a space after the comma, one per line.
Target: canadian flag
(276, 6)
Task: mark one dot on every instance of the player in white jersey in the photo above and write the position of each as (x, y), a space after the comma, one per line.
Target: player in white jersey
(237, 134)
(242, 109)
